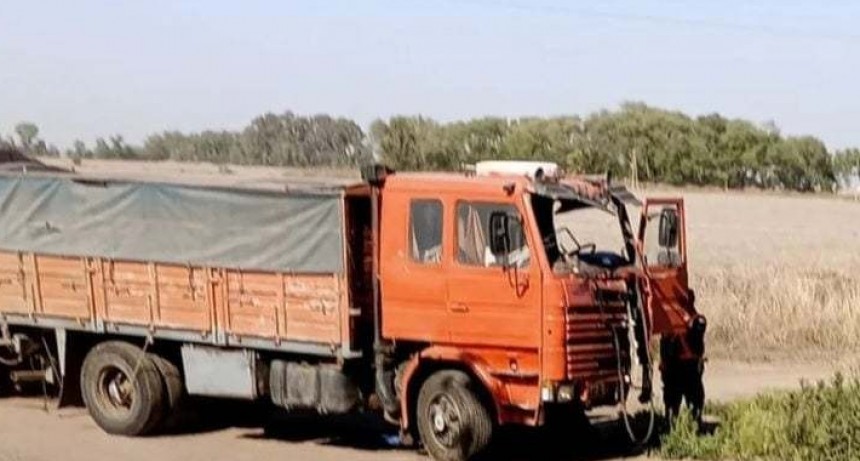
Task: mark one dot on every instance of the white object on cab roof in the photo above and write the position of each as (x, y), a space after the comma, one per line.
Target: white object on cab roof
(532, 169)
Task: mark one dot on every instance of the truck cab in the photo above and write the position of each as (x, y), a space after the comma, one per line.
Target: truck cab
(485, 289)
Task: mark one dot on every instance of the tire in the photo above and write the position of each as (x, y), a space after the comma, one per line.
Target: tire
(122, 389)
(173, 387)
(453, 423)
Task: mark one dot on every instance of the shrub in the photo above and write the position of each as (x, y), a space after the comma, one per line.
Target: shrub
(817, 422)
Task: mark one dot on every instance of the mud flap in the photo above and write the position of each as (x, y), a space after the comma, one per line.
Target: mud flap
(70, 388)
(70, 373)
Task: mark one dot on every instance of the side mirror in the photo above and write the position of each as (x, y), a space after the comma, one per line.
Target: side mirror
(500, 235)
(668, 233)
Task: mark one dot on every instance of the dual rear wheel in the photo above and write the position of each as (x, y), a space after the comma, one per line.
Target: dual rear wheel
(129, 391)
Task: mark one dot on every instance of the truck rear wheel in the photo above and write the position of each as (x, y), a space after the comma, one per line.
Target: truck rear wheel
(453, 422)
(174, 392)
(122, 389)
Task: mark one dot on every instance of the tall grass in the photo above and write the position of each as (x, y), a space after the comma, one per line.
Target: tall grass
(779, 309)
(817, 422)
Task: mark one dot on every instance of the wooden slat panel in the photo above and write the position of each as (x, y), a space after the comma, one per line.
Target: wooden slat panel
(14, 288)
(291, 307)
(307, 308)
(183, 297)
(252, 301)
(53, 265)
(128, 293)
(14, 304)
(63, 285)
(313, 304)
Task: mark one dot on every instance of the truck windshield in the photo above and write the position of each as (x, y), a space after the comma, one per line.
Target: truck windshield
(579, 238)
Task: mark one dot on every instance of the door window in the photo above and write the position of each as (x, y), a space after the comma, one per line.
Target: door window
(425, 231)
(662, 237)
(473, 232)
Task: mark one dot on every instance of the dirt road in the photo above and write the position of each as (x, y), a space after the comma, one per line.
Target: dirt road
(239, 433)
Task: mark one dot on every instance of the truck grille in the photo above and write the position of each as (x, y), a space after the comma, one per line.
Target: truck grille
(590, 347)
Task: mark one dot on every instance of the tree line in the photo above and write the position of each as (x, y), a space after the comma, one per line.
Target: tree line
(636, 142)
(274, 140)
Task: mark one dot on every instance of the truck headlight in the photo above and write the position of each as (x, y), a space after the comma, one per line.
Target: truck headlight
(547, 393)
(566, 393)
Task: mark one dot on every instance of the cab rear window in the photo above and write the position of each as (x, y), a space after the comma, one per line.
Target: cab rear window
(425, 231)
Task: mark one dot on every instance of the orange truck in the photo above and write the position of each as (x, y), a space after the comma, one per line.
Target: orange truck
(452, 303)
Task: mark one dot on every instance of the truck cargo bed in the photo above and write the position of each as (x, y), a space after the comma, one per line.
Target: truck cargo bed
(257, 268)
(304, 313)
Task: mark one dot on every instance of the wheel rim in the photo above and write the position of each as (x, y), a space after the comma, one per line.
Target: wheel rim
(115, 390)
(445, 421)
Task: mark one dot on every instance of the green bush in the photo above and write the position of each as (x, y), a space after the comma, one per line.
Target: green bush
(817, 422)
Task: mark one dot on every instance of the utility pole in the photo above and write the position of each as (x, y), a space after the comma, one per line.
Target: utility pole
(634, 170)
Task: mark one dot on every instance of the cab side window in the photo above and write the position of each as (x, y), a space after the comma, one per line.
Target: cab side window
(425, 231)
(663, 250)
(473, 232)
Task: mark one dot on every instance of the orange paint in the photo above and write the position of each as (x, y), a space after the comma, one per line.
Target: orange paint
(492, 319)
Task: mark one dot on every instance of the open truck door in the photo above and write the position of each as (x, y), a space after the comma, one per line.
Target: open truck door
(670, 303)
(663, 240)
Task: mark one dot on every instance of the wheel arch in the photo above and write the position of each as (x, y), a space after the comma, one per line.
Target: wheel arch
(426, 363)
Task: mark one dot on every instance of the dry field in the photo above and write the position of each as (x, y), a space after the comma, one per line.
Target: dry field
(777, 275)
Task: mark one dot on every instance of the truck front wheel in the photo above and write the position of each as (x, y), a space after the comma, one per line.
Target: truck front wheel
(122, 389)
(453, 422)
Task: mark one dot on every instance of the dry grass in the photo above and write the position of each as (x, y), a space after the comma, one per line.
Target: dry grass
(760, 312)
(777, 275)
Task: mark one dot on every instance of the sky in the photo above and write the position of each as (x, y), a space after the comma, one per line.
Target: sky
(91, 68)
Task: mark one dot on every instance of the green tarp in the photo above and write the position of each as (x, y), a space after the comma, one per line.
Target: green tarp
(171, 223)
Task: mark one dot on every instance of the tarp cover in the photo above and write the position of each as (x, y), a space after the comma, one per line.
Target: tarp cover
(169, 223)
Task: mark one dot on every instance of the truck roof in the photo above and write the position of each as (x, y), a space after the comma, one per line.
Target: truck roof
(578, 191)
(449, 182)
